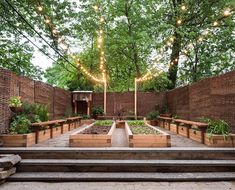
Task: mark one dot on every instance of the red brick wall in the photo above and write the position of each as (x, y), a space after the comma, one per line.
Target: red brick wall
(213, 97)
(57, 100)
(117, 101)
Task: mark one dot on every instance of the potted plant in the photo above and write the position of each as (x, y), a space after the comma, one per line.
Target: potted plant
(152, 117)
(165, 111)
(97, 111)
(218, 134)
(15, 104)
(120, 123)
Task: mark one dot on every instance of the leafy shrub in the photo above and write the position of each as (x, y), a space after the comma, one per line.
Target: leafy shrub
(104, 123)
(152, 115)
(136, 123)
(219, 127)
(42, 112)
(15, 101)
(86, 117)
(20, 125)
(97, 110)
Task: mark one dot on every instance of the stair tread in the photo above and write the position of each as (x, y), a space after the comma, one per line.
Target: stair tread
(105, 176)
(94, 161)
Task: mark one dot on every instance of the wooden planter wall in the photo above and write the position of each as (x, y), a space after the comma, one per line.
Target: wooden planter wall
(184, 131)
(65, 128)
(44, 135)
(92, 140)
(148, 141)
(196, 135)
(56, 131)
(173, 128)
(23, 140)
(219, 141)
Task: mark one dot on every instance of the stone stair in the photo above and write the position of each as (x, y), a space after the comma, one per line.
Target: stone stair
(124, 164)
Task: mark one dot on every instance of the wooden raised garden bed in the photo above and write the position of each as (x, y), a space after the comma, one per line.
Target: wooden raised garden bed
(219, 140)
(174, 128)
(196, 135)
(65, 128)
(120, 124)
(18, 140)
(146, 136)
(44, 135)
(93, 136)
(183, 130)
(56, 131)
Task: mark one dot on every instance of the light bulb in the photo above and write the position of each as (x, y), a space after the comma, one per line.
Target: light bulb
(40, 8)
(183, 8)
(215, 23)
(227, 12)
(179, 22)
(47, 21)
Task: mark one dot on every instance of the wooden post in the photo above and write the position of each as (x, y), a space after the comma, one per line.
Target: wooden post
(105, 98)
(135, 99)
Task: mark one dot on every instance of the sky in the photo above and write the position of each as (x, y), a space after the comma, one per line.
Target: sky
(41, 60)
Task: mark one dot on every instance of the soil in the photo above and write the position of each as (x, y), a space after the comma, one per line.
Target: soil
(143, 130)
(97, 130)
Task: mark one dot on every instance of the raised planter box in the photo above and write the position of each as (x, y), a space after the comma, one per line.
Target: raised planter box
(148, 140)
(65, 128)
(173, 128)
(219, 141)
(167, 125)
(92, 140)
(184, 131)
(56, 131)
(196, 135)
(161, 123)
(24, 140)
(44, 135)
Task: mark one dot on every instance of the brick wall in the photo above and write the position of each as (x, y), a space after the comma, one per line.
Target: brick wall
(213, 97)
(147, 101)
(57, 100)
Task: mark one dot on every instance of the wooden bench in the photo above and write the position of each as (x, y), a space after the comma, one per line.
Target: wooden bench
(165, 122)
(188, 124)
(74, 120)
(50, 124)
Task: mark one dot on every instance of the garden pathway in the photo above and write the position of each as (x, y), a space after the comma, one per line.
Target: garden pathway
(119, 139)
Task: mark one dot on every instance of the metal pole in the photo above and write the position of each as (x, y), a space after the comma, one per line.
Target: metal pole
(105, 99)
(135, 98)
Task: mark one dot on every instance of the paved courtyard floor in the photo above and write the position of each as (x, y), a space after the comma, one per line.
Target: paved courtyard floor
(119, 139)
(120, 186)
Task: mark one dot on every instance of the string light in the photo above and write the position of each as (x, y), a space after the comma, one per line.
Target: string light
(95, 7)
(47, 21)
(40, 8)
(101, 20)
(63, 45)
(215, 23)
(179, 22)
(183, 8)
(227, 12)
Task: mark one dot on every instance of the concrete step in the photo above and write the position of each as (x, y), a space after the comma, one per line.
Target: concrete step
(73, 165)
(123, 153)
(120, 177)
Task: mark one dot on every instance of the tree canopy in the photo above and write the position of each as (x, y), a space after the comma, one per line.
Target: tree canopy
(179, 41)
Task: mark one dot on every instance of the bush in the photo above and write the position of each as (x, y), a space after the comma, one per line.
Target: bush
(42, 111)
(219, 127)
(15, 101)
(97, 110)
(152, 115)
(20, 125)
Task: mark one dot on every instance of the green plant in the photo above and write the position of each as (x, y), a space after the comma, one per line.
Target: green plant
(219, 127)
(15, 101)
(42, 111)
(20, 125)
(136, 123)
(104, 123)
(164, 109)
(152, 115)
(97, 110)
(86, 117)
(143, 130)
